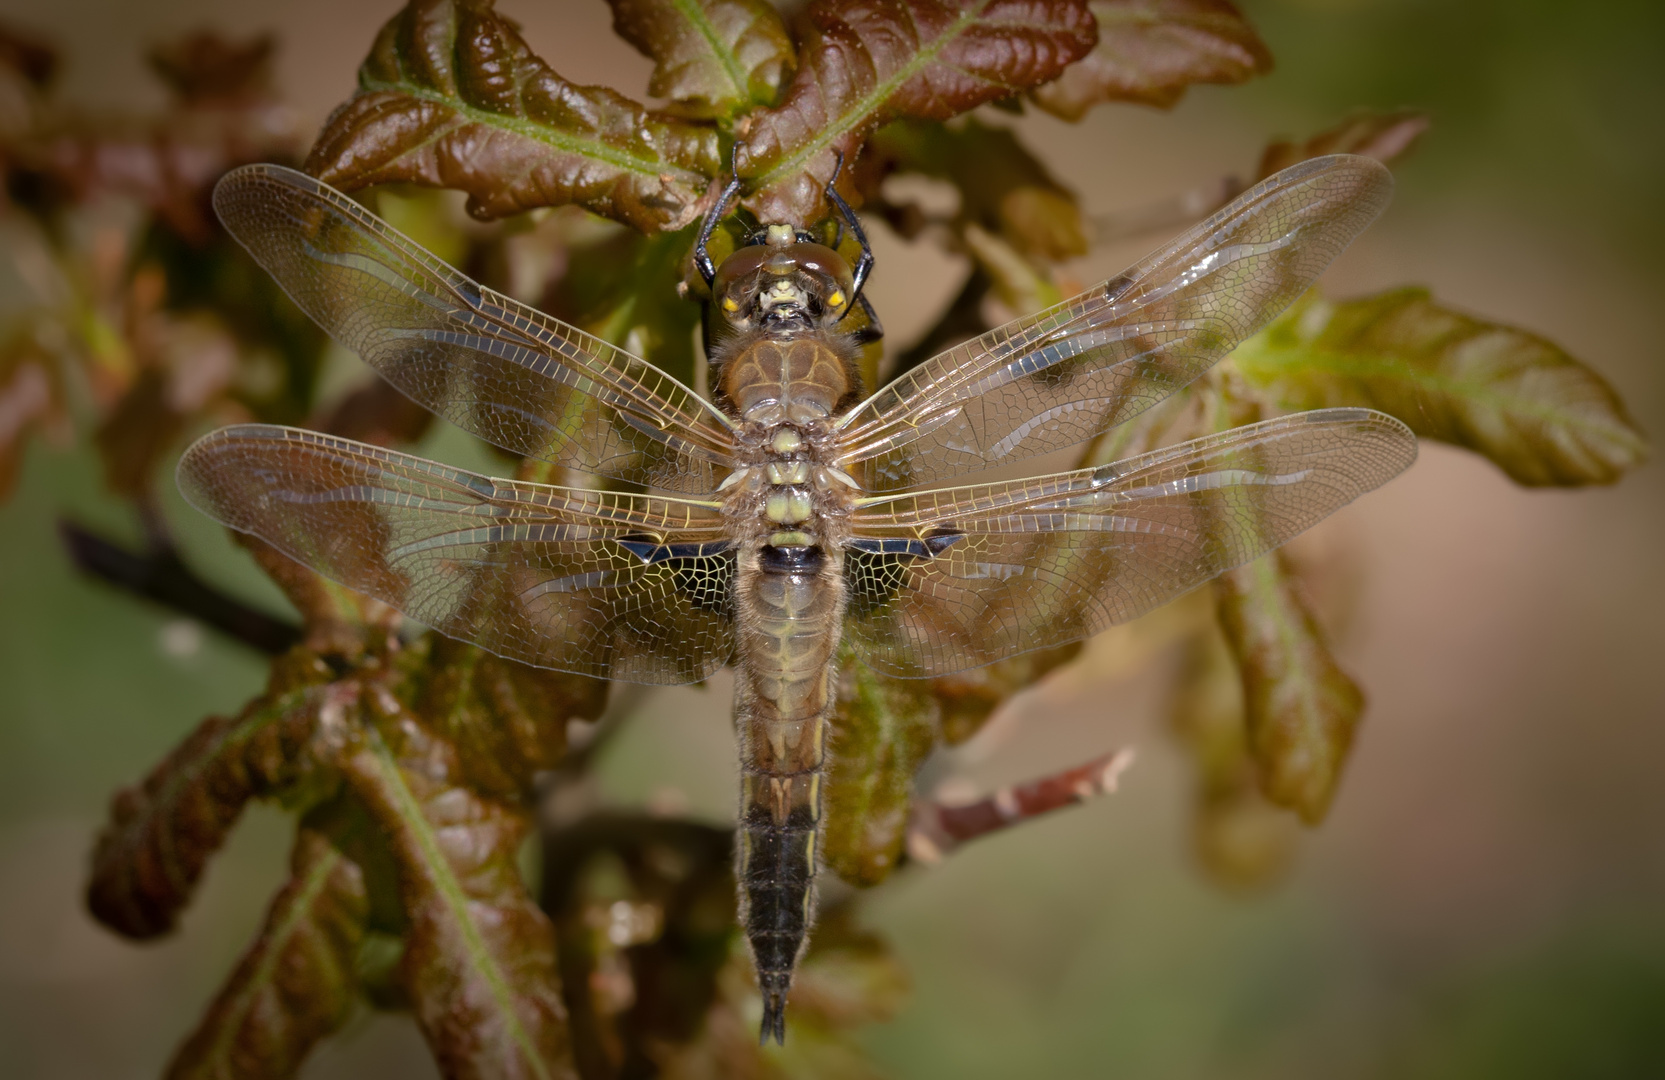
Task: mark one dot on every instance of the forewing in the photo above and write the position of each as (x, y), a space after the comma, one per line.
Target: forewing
(612, 585)
(509, 374)
(961, 577)
(1055, 379)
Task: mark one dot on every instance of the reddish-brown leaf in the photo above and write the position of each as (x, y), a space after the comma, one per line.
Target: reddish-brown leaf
(1383, 136)
(864, 63)
(296, 984)
(1300, 708)
(711, 58)
(1150, 51)
(338, 622)
(479, 959)
(162, 833)
(451, 96)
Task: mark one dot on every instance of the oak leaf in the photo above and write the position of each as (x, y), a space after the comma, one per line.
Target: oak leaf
(864, 63)
(451, 96)
(1150, 51)
(711, 58)
(1517, 398)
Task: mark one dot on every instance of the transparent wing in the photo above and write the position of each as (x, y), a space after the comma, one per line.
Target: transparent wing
(606, 584)
(509, 374)
(1055, 379)
(960, 577)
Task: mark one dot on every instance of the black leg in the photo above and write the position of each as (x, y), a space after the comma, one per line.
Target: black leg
(864, 265)
(702, 260)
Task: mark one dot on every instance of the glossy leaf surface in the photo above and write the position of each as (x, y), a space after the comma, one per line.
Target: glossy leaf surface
(1519, 399)
(451, 96)
(864, 63)
(711, 58)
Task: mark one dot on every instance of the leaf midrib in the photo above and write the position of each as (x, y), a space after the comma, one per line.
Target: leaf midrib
(594, 149)
(1274, 362)
(300, 909)
(866, 105)
(456, 902)
(730, 64)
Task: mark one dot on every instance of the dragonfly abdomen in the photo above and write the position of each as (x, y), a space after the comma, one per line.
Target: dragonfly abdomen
(790, 607)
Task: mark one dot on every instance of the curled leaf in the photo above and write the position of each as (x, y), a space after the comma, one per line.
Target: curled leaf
(479, 958)
(1150, 51)
(867, 62)
(1537, 413)
(1241, 840)
(451, 96)
(296, 984)
(1383, 136)
(162, 833)
(882, 733)
(710, 57)
(1299, 707)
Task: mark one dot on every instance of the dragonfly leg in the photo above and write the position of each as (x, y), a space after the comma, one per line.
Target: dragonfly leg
(702, 258)
(864, 265)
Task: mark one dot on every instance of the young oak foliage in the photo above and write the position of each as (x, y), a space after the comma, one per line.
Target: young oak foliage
(711, 58)
(864, 63)
(450, 95)
(1150, 51)
(1515, 397)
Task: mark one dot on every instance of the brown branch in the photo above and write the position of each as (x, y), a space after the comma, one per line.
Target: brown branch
(161, 576)
(938, 828)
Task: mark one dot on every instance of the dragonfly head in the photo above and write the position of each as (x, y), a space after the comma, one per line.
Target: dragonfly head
(783, 278)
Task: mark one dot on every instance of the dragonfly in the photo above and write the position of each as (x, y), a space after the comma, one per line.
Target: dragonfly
(791, 514)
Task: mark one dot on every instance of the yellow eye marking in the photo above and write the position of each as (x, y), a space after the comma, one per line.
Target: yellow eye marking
(836, 299)
(730, 304)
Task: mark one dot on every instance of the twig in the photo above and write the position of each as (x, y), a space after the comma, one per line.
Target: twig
(161, 576)
(938, 828)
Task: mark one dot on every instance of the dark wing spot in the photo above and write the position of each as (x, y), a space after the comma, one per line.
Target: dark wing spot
(875, 570)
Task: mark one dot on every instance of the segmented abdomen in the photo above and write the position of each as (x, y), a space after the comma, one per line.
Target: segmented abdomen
(790, 610)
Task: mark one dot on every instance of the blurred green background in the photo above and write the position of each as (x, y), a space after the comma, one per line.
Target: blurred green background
(1486, 899)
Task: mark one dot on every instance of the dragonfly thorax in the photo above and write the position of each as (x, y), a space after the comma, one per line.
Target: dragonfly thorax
(797, 378)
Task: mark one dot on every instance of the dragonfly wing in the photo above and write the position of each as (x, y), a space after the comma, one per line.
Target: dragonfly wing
(506, 372)
(1058, 378)
(960, 577)
(612, 585)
